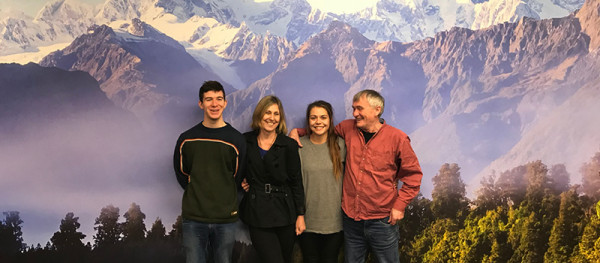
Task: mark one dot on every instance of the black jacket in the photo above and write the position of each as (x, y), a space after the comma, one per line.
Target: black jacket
(276, 195)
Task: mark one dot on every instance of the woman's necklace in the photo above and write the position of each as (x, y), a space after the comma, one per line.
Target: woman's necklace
(266, 144)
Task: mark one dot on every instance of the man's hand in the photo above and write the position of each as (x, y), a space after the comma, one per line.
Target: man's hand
(395, 216)
(245, 185)
(300, 225)
(294, 135)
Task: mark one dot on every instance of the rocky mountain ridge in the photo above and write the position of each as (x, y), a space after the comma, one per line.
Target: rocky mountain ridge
(465, 96)
(139, 68)
(294, 20)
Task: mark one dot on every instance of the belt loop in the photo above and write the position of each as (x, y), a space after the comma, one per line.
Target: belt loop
(268, 188)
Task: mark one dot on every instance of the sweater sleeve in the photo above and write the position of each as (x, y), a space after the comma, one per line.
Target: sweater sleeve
(181, 173)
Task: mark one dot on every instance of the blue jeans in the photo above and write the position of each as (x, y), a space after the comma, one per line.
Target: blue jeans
(375, 234)
(198, 237)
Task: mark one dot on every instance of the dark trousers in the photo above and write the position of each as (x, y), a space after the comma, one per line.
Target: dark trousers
(274, 244)
(321, 248)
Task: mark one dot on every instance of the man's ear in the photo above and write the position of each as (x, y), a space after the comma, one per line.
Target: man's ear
(200, 105)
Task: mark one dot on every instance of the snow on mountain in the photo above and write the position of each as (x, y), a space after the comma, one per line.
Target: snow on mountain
(27, 57)
(409, 20)
(65, 12)
(498, 11)
(138, 68)
(295, 20)
(18, 33)
(138, 31)
(58, 21)
(66, 19)
(113, 10)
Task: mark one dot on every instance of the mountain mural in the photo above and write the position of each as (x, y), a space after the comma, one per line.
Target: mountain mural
(488, 85)
(476, 92)
(75, 150)
(33, 97)
(465, 96)
(569, 131)
(139, 68)
(296, 20)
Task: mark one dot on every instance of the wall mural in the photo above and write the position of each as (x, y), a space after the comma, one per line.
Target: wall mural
(499, 98)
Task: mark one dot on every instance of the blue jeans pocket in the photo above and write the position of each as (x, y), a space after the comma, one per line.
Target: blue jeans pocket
(384, 220)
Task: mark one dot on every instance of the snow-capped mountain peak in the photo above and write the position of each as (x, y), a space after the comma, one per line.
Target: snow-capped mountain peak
(64, 11)
(136, 30)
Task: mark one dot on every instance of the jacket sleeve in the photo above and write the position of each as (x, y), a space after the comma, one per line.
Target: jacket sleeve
(295, 176)
(181, 173)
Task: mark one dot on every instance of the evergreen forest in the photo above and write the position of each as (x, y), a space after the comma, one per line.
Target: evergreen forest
(530, 213)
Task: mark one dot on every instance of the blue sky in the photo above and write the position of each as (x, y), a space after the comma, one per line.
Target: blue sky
(31, 7)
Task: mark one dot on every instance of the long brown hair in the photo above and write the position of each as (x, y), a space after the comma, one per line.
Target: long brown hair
(332, 144)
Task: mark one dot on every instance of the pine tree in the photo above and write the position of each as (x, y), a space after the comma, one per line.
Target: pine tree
(588, 249)
(488, 195)
(68, 238)
(437, 243)
(590, 177)
(483, 239)
(67, 241)
(108, 231)
(134, 229)
(176, 232)
(512, 186)
(11, 235)
(157, 231)
(417, 217)
(565, 231)
(448, 195)
(534, 218)
(559, 178)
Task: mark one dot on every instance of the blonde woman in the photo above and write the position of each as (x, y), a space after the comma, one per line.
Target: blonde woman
(273, 207)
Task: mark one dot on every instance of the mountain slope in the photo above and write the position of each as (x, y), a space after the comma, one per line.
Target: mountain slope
(569, 134)
(337, 61)
(34, 98)
(138, 68)
(465, 96)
